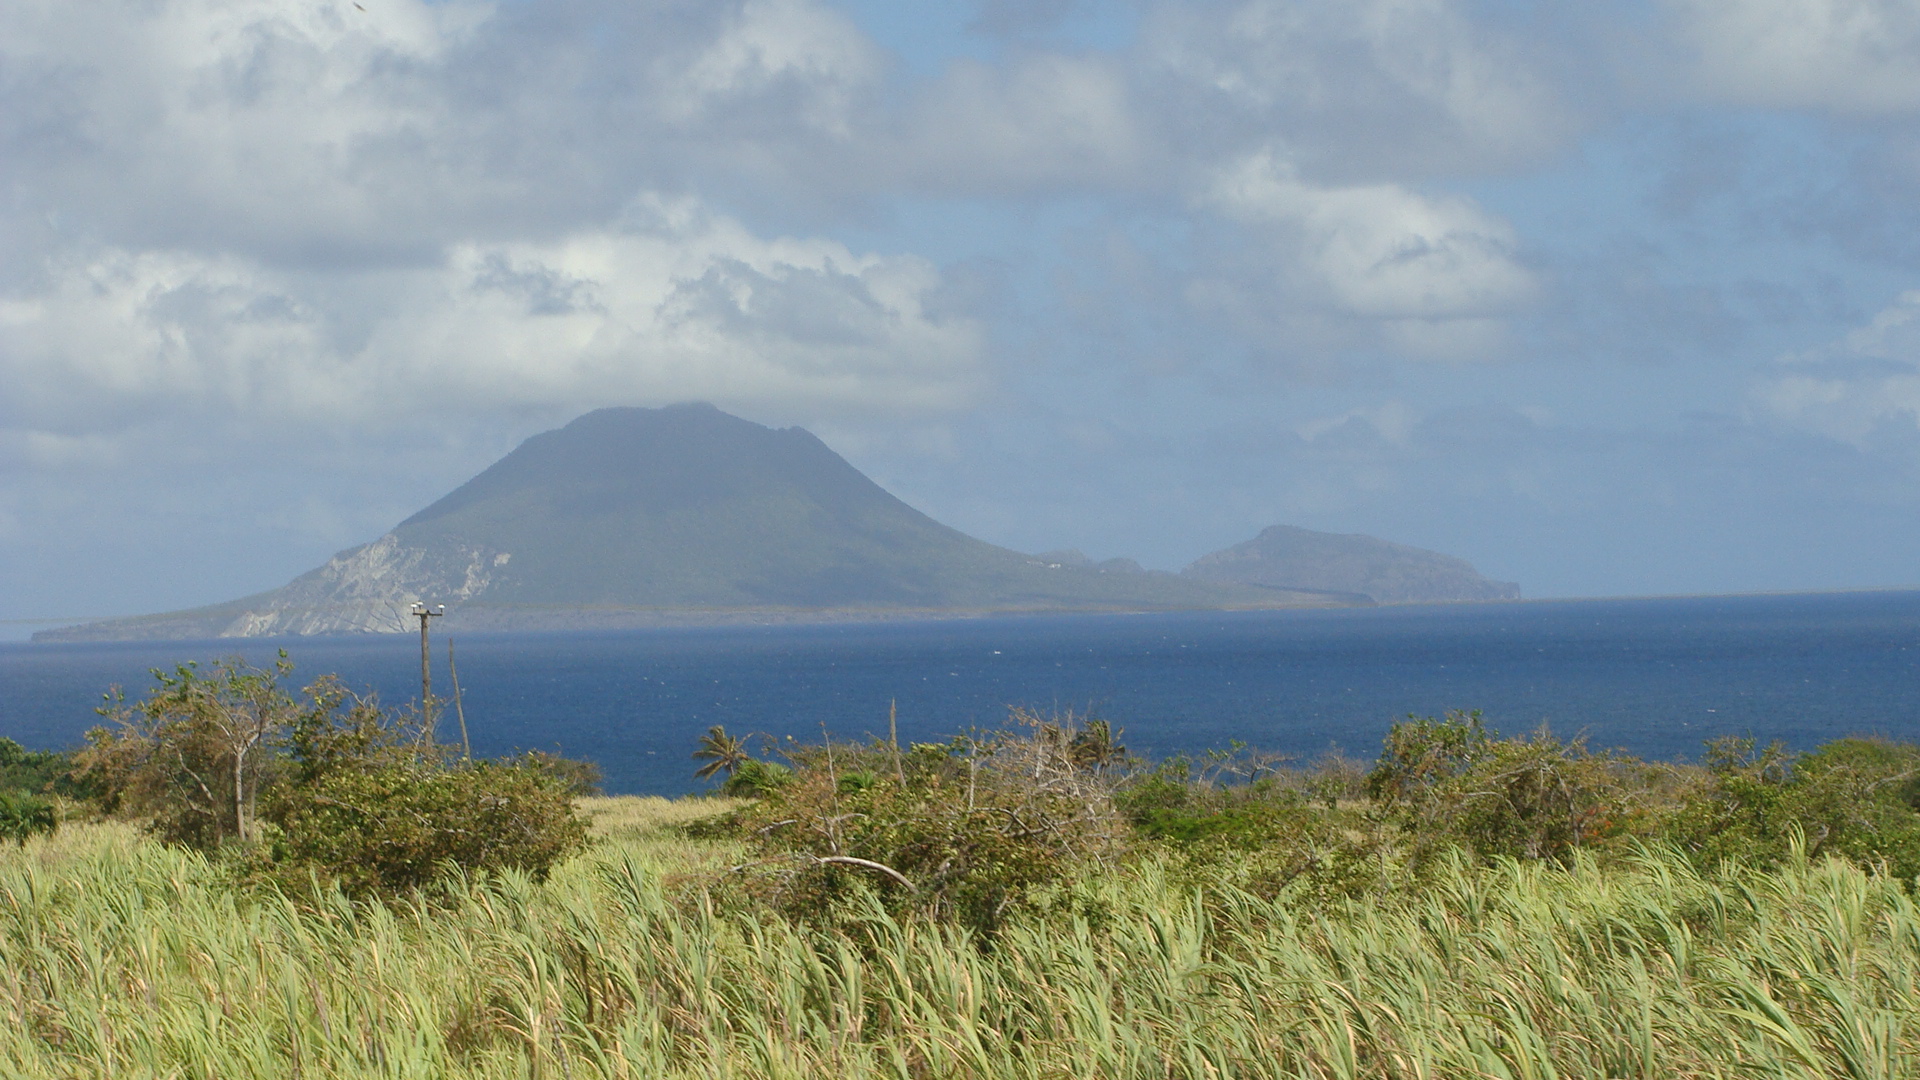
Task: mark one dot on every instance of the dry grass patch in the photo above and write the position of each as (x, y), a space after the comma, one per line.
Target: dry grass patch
(648, 828)
(648, 817)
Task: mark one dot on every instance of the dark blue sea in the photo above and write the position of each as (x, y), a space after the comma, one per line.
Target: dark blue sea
(1655, 677)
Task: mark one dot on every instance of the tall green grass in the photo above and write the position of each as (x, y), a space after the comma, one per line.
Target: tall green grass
(120, 957)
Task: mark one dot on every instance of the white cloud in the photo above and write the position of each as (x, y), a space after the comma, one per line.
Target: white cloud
(1851, 408)
(1039, 120)
(109, 336)
(1364, 85)
(671, 303)
(774, 45)
(228, 119)
(1422, 264)
(1393, 422)
(679, 304)
(305, 131)
(46, 450)
(1863, 389)
(1858, 56)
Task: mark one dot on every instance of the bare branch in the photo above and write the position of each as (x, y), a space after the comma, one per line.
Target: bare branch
(865, 864)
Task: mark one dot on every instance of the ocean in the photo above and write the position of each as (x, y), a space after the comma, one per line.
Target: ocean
(1654, 677)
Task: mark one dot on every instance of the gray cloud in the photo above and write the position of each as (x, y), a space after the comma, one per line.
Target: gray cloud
(1365, 90)
(687, 305)
(1041, 122)
(319, 132)
(1851, 56)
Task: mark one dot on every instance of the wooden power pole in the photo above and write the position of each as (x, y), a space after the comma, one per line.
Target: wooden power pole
(423, 613)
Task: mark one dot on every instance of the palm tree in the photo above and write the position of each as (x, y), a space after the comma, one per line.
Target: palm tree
(722, 753)
(1095, 746)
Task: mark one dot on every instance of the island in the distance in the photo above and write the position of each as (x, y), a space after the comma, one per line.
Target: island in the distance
(1385, 572)
(685, 514)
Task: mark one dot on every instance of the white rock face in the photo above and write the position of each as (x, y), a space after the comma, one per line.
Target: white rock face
(370, 589)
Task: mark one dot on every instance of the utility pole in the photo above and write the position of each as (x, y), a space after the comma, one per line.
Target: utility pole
(423, 613)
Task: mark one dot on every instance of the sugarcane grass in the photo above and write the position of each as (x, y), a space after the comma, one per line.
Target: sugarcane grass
(123, 957)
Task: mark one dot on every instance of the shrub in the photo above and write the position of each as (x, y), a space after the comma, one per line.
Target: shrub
(754, 778)
(1286, 831)
(328, 785)
(578, 779)
(966, 830)
(24, 816)
(38, 772)
(397, 825)
(1453, 783)
(372, 803)
(192, 756)
(1853, 797)
(1422, 755)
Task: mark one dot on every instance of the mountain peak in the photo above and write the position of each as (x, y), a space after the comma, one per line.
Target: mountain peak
(633, 515)
(665, 457)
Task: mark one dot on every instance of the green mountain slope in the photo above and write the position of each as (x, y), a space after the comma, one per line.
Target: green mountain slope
(629, 516)
(689, 506)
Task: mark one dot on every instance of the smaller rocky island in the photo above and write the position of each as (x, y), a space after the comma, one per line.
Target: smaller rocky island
(1283, 557)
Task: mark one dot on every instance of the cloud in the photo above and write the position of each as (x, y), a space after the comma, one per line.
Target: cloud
(1436, 274)
(1039, 121)
(232, 122)
(1366, 87)
(318, 131)
(678, 304)
(669, 303)
(775, 46)
(1863, 390)
(1393, 422)
(1851, 56)
(317, 135)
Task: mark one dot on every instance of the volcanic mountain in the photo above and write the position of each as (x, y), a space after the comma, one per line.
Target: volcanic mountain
(1284, 557)
(637, 516)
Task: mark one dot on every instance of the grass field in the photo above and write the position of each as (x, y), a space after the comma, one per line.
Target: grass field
(121, 957)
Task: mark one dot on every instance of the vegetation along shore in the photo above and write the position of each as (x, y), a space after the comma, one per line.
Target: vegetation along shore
(236, 879)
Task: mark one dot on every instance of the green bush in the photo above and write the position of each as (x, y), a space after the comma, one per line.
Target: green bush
(1169, 804)
(192, 756)
(577, 778)
(1855, 798)
(24, 816)
(1452, 783)
(398, 825)
(754, 778)
(372, 803)
(988, 823)
(326, 785)
(1295, 831)
(1422, 756)
(1441, 786)
(967, 830)
(39, 772)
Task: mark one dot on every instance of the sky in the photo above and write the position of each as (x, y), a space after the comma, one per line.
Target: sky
(1608, 299)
